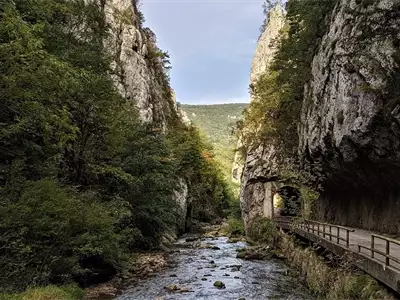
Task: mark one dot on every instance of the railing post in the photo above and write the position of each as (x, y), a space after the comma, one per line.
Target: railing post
(338, 234)
(330, 232)
(387, 252)
(323, 225)
(372, 246)
(347, 238)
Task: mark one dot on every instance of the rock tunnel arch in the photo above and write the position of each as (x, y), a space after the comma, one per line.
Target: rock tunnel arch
(281, 200)
(287, 201)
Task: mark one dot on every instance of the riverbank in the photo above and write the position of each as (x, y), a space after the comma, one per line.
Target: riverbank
(141, 266)
(327, 276)
(146, 265)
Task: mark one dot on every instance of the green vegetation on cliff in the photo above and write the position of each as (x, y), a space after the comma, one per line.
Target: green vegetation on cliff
(274, 114)
(82, 182)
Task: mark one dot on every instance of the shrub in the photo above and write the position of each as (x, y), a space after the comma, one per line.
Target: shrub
(329, 282)
(51, 234)
(263, 231)
(235, 227)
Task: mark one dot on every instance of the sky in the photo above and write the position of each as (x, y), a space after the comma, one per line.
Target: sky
(211, 44)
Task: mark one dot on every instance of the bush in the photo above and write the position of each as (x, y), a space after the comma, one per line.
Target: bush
(329, 282)
(51, 235)
(263, 231)
(235, 227)
(234, 209)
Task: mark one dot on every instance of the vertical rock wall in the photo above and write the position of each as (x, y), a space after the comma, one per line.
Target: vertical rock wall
(350, 122)
(139, 75)
(137, 70)
(260, 165)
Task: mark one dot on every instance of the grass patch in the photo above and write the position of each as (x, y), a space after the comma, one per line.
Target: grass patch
(51, 292)
(263, 231)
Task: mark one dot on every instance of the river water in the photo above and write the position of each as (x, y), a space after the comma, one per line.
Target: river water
(196, 270)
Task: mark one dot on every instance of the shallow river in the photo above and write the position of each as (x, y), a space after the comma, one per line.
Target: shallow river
(197, 269)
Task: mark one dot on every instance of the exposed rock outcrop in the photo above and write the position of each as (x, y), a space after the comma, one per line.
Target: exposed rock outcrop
(181, 197)
(237, 164)
(137, 64)
(260, 164)
(139, 75)
(350, 120)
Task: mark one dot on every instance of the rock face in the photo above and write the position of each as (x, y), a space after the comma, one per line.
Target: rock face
(139, 75)
(267, 43)
(350, 120)
(351, 115)
(237, 165)
(260, 164)
(181, 197)
(137, 66)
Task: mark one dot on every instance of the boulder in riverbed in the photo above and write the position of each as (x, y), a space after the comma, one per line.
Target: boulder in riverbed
(219, 284)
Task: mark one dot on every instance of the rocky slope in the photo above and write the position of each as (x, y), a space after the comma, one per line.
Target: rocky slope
(349, 125)
(260, 165)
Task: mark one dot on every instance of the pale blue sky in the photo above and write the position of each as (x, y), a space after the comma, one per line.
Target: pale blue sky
(211, 43)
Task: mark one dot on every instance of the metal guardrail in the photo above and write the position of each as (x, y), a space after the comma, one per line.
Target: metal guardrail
(386, 254)
(327, 231)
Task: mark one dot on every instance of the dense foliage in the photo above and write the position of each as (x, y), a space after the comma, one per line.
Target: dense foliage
(218, 123)
(82, 181)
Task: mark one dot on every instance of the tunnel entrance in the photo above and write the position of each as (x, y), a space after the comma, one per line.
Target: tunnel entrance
(287, 201)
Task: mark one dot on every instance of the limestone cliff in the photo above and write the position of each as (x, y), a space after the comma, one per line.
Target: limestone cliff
(259, 163)
(350, 120)
(137, 62)
(139, 74)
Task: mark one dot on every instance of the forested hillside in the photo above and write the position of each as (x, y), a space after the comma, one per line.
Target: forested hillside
(83, 181)
(218, 122)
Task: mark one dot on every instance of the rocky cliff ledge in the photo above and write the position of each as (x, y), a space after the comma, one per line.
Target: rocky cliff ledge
(139, 74)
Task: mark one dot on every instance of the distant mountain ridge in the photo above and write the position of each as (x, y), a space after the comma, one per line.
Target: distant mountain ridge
(215, 120)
